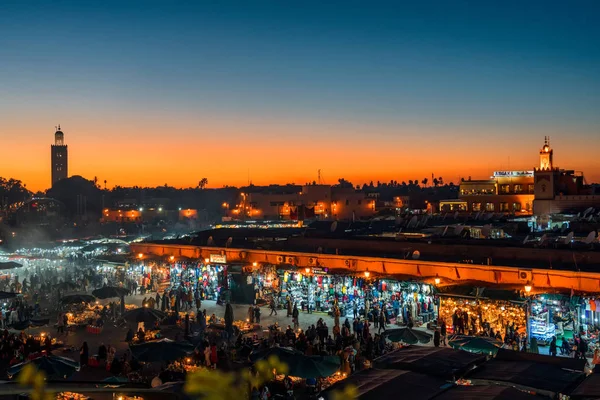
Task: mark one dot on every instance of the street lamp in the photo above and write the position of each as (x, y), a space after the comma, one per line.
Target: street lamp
(172, 258)
(528, 288)
(437, 280)
(254, 264)
(307, 270)
(206, 260)
(367, 273)
(141, 255)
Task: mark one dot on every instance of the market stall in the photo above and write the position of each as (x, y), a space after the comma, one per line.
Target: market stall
(479, 315)
(319, 289)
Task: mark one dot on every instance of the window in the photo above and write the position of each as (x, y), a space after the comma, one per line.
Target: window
(476, 206)
(530, 188)
(489, 206)
(516, 206)
(503, 207)
(518, 188)
(504, 189)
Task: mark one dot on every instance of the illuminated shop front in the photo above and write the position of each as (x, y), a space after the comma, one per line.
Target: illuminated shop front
(319, 288)
(212, 279)
(479, 315)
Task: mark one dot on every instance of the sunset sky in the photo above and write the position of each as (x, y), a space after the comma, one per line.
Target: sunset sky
(154, 92)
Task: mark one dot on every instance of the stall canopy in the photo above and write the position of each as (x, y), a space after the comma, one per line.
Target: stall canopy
(437, 361)
(588, 389)
(529, 372)
(9, 265)
(487, 393)
(391, 384)
(480, 292)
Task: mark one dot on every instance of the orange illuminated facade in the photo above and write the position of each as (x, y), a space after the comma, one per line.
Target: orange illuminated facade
(310, 202)
(118, 215)
(188, 214)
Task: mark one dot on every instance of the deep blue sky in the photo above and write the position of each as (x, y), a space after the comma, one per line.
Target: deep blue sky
(502, 72)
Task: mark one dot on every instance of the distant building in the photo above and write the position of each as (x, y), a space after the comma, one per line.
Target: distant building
(560, 191)
(504, 192)
(59, 156)
(306, 202)
(543, 191)
(121, 215)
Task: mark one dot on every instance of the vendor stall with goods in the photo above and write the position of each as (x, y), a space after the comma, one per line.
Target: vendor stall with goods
(477, 315)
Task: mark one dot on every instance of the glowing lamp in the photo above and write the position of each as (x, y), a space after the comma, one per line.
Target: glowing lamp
(307, 270)
(367, 274)
(206, 260)
(172, 258)
(254, 264)
(141, 255)
(527, 288)
(437, 281)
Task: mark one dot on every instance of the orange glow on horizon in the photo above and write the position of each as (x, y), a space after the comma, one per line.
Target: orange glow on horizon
(154, 153)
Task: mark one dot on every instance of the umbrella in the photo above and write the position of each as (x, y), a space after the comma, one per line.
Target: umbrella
(144, 314)
(408, 335)
(30, 323)
(9, 265)
(7, 295)
(53, 366)
(77, 298)
(475, 344)
(108, 292)
(161, 350)
(300, 365)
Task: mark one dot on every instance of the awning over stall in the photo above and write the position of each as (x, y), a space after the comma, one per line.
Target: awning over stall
(390, 383)
(438, 361)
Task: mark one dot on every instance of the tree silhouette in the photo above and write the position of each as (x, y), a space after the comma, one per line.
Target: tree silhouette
(436, 182)
(424, 181)
(203, 182)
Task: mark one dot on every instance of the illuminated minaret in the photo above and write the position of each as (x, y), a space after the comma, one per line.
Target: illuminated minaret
(59, 156)
(546, 155)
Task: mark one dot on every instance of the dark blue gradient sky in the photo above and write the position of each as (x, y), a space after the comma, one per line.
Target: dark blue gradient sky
(477, 81)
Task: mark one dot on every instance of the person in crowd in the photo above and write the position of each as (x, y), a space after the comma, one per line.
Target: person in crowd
(443, 332)
(272, 306)
(553, 346)
(84, 354)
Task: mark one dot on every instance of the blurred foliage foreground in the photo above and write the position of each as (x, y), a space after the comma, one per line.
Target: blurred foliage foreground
(205, 383)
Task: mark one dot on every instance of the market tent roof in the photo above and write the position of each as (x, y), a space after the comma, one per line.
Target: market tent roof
(389, 383)
(561, 362)
(486, 393)
(534, 373)
(480, 292)
(437, 361)
(588, 389)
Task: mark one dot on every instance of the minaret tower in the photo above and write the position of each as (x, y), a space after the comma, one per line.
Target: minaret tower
(59, 155)
(546, 155)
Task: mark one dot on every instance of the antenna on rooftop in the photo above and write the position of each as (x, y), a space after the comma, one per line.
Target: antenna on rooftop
(319, 176)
